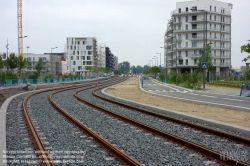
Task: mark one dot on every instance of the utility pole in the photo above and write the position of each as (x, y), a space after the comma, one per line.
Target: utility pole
(19, 27)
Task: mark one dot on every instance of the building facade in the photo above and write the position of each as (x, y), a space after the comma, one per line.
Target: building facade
(192, 26)
(110, 59)
(51, 63)
(101, 51)
(81, 52)
(116, 63)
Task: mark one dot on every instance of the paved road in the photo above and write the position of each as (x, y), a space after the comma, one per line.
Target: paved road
(176, 92)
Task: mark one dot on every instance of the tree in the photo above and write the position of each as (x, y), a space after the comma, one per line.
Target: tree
(124, 67)
(11, 61)
(154, 70)
(1, 63)
(246, 49)
(206, 57)
(145, 68)
(89, 68)
(39, 66)
(247, 74)
(21, 64)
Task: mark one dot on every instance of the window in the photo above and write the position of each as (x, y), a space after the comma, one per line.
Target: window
(89, 52)
(74, 62)
(214, 18)
(179, 44)
(210, 17)
(210, 8)
(67, 67)
(186, 61)
(179, 27)
(186, 36)
(88, 58)
(89, 63)
(194, 44)
(71, 47)
(71, 57)
(194, 7)
(180, 61)
(186, 9)
(83, 42)
(215, 9)
(194, 35)
(77, 52)
(78, 43)
(195, 61)
(72, 42)
(73, 52)
(44, 58)
(83, 62)
(179, 53)
(186, 53)
(179, 19)
(77, 57)
(210, 26)
(194, 18)
(214, 52)
(179, 36)
(88, 47)
(82, 57)
(195, 52)
(214, 26)
(78, 48)
(186, 27)
(74, 47)
(186, 18)
(79, 68)
(73, 69)
(179, 10)
(186, 44)
(194, 26)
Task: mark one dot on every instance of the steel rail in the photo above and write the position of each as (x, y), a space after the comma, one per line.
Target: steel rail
(209, 153)
(122, 156)
(41, 151)
(229, 136)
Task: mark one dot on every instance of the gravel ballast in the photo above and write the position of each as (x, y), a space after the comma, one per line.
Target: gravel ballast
(210, 141)
(18, 140)
(144, 147)
(62, 139)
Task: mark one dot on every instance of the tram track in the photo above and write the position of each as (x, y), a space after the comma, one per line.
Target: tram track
(41, 151)
(209, 153)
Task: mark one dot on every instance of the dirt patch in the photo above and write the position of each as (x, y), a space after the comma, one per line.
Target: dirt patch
(130, 90)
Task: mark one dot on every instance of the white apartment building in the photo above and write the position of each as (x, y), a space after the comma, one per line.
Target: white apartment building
(81, 52)
(101, 51)
(194, 24)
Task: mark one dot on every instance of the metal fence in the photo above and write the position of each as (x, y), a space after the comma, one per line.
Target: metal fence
(14, 82)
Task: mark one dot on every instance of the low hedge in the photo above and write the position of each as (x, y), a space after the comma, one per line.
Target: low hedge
(233, 85)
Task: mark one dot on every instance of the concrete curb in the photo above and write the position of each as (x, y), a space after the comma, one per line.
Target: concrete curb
(180, 115)
(3, 111)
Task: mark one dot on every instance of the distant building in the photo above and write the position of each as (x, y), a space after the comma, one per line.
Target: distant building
(81, 52)
(116, 63)
(101, 51)
(51, 63)
(245, 68)
(193, 25)
(110, 59)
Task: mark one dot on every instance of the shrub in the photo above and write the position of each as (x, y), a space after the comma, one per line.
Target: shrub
(34, 75)
(8, 75)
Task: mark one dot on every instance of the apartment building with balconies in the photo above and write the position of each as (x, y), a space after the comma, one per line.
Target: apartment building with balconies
(110, 59)
(101, 47)
(193, 25)
(81, 52)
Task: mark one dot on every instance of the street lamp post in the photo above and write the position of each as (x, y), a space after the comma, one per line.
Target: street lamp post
(51, 60)
(157, 60)
(160, 60)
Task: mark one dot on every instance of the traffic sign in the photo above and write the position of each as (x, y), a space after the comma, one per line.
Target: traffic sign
(204, 65)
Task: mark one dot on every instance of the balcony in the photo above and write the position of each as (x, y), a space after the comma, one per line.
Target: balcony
(226, 30)
(195, 55)
(225, 64)
(225, 56)
(189, 12)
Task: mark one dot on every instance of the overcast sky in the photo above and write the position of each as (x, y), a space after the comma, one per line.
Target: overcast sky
(132, 29)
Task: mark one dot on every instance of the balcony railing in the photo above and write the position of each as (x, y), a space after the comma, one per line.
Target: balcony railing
(226, 64)
(198, 11)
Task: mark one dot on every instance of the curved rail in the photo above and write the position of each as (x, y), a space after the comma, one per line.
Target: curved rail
(232, 137)
(209, 153)
(39, 146)
(123, 157)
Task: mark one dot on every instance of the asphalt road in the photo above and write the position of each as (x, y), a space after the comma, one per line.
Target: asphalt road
(172, 91)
